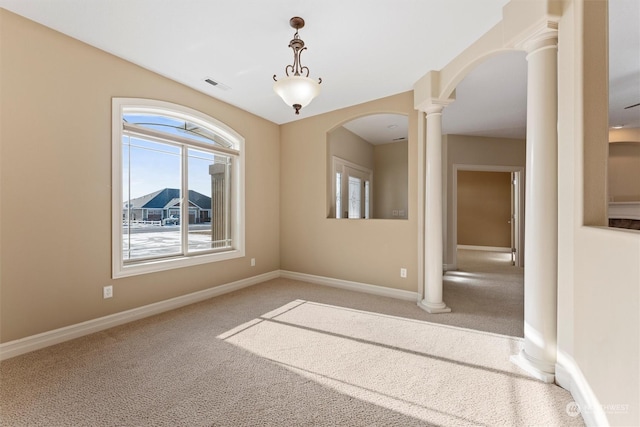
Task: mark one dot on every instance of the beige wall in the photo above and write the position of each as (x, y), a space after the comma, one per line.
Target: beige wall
(390, 186)
(368, 251)
(476, 151)
(345, 144)
(55, 215)
(598, 268)
(624, 171)
(624, 135)
(484, 208)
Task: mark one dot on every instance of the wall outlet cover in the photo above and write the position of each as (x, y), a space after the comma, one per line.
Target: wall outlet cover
(107, 292)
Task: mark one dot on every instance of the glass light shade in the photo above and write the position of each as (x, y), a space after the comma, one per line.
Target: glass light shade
(297, 90)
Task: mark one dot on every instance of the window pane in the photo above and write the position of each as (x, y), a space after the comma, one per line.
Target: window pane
(209, 201)
(176, 191)
(355, 197)
(176, 126)
(338, 195)
(367, 191)
(151, 191)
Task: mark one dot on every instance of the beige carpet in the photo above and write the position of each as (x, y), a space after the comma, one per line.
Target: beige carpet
(485, 293)
(282, 353)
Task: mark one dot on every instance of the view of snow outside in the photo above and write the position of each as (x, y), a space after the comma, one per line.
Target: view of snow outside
(145, 240)
(150, 166)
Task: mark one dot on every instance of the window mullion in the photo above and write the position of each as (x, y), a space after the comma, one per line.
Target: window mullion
(345, 192)
(128, 196)
(184, 201)
(227, 203)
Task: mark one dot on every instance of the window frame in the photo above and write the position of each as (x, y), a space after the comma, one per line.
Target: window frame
(237, 194)
(340, 165)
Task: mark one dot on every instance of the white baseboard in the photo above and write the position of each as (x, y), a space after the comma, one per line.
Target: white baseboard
(352, 286)
(56, 336)
(449, 267)
(568, 374)
(570, 377)
(485, 248)
(35, 342)
(540, 370)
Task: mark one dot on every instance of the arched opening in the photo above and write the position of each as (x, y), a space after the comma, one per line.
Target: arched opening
(485, 130)
(367, 168)
(484, 157)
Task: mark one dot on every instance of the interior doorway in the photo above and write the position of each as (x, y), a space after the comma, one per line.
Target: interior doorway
(487, 210)
(487, 285)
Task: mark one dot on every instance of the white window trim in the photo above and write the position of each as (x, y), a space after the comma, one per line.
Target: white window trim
(119, 268)
(338, 165)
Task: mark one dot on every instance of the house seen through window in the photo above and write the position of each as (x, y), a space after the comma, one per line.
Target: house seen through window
(179, 189)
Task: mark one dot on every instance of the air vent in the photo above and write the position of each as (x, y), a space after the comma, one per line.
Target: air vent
(631, 106)
(216, 83)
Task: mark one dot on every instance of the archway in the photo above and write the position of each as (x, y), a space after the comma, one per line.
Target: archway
(367, 168)
(433, 93)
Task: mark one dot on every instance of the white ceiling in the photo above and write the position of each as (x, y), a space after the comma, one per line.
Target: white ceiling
(362, 50)
(624, 62)
(380, 129)
(491, 100)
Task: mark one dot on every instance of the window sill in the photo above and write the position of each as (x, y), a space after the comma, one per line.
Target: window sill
(154, 266)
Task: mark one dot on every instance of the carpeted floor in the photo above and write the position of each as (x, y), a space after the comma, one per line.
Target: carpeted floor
(485, 293)
(283, 353)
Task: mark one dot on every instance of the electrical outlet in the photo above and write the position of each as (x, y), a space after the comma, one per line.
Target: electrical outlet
(107, 292)
(253, 262)
(403, 273)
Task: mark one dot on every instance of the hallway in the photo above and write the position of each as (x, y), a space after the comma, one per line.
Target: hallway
(486, 293)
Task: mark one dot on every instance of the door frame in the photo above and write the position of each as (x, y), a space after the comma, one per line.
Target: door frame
(517, 206)
(340, 165)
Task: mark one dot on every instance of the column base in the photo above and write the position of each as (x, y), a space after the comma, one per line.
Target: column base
(534, 367)
(433, 308)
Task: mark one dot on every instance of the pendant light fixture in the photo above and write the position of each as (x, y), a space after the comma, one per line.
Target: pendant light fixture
(296, 89)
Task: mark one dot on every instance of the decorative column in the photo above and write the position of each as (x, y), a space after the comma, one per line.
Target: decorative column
(433, 246)
(541, 207)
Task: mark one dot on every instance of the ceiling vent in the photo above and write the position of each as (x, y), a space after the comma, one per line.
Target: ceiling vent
(216, 84)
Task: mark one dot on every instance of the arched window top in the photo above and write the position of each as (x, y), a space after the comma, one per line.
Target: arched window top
(177, 126)
(172, 120)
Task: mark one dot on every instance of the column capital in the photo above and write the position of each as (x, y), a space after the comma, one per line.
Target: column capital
(544, 35)
(434, 106)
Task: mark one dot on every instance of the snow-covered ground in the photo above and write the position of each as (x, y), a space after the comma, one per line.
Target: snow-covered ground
(152, 241)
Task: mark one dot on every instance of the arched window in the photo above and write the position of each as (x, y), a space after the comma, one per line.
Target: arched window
(177, 188)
